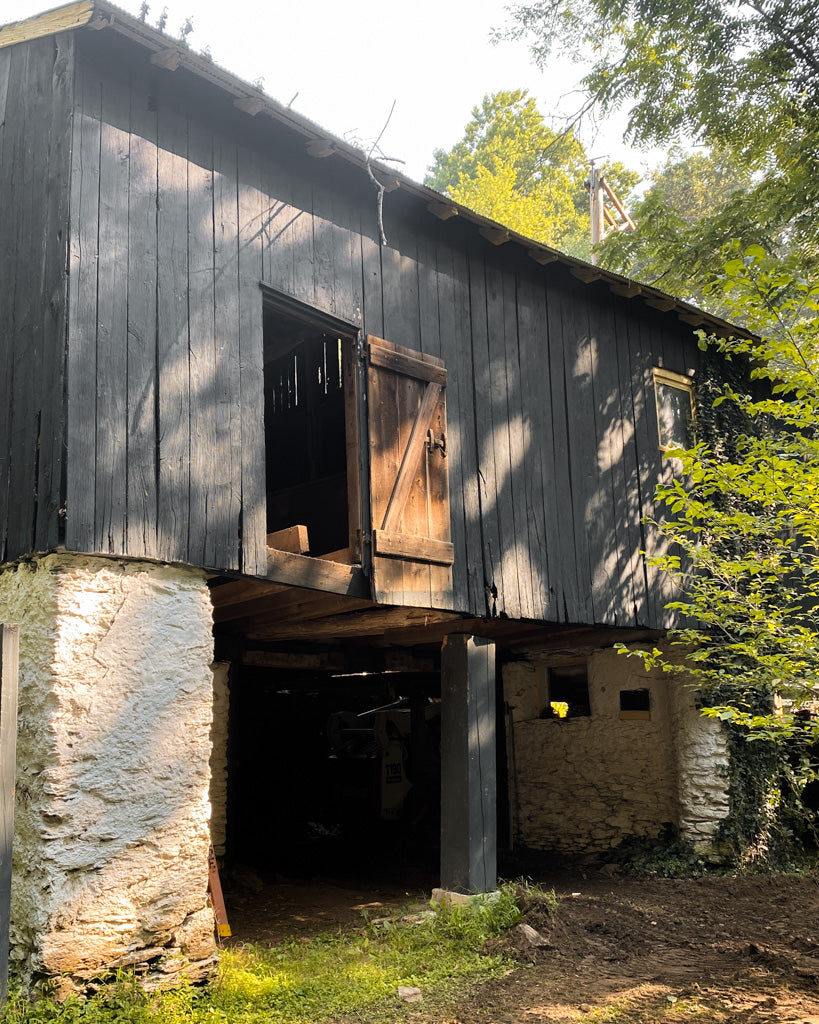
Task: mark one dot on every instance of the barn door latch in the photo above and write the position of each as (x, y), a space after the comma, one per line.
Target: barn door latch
(434, 442)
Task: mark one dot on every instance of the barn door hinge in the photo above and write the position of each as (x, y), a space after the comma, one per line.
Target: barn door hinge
(434, 442)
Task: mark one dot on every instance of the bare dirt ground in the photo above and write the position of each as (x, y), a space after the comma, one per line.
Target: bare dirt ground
(620, 949)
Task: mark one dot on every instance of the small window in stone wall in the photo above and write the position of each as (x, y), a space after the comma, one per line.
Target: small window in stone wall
(635, 704)
(568, 693)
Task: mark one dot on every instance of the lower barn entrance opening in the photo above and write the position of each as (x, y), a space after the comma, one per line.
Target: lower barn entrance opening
(308, 407)
(335, 774)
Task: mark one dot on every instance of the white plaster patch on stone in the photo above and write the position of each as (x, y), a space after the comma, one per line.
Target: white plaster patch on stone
(219, 756)
(702, 758)
(114, 743)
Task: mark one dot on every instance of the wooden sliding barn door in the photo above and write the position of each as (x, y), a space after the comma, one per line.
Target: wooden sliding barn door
(409, 485)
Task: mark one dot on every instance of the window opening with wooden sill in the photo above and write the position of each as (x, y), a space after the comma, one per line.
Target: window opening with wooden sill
(674, 394)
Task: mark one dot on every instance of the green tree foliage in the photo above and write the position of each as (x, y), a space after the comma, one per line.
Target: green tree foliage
(742, 515)
(741, 78)
(698, 207)
(741, 532)
(511, 166)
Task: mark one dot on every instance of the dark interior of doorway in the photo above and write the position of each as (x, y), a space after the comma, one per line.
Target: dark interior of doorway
(334, 775)
(305, 429)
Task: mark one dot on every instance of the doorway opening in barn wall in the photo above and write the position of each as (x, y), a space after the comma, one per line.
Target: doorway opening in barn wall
(337, 772)
(313, 502)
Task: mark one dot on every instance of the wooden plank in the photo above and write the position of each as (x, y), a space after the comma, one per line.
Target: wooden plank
(50, 498)
(293, 538)
(251, 202)
(61, 20)
(24, 314)
(301, 233)
(112, 323)
(373, 623)
(173, 338)
(203, 522)
(419, 549)
(540, 500)
(316, 574)
(520, 454)
(11, 235)
(141, 507)
(411, 458)
(468, 765)
(224, 499)
(216, 898)
(573, 602)
(353, 387)
(491, 578)
(9, 671)
(8, 249)
(372, 313)
(496, 439)
(456, 334)
(635, 565)
(401, 362)
(299, 606)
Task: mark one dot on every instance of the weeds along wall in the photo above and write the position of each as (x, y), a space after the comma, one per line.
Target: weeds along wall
(635, 759)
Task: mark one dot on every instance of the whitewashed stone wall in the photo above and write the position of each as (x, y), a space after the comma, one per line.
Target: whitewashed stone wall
(112, 833)
(219, 757)
(585, 783)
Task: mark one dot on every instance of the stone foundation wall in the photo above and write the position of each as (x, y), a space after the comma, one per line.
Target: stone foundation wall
(585, 783)
(112, 808)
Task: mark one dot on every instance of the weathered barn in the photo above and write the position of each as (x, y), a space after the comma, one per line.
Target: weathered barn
(261, 469)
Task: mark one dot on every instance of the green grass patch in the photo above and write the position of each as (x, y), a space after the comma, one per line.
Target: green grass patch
(311, 980)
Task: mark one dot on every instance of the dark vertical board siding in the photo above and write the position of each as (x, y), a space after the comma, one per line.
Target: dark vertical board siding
(112, 322)
(372, 314)
(614, 537)
(202, 542)
(278, 232)
(222, 541)
(647, 444)
(490, 551)
(301, 232)
(173, 369)
(538, 485)
(496, 439)
(141, 507)
(8, 249)
(253, 205)
(453, 326)
(82, 335)
(628, 468)
(28, 78)
(53, 298)
(520, 456)
(324, 282)
(576, 594)
(428, 314)
(399, 267)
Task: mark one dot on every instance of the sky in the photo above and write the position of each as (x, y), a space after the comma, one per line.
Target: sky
(343, 63)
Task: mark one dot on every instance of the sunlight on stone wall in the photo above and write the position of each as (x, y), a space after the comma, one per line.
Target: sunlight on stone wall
(112, 828)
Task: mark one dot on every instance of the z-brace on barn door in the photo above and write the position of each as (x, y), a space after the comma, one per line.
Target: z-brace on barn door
(409, 486)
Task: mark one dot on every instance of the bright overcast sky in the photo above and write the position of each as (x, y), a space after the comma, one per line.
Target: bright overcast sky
(345, 61)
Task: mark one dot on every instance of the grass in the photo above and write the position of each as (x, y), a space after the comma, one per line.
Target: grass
(311, 980)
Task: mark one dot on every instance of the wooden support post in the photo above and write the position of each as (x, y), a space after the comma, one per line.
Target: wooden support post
(468, 765)
(9, 656)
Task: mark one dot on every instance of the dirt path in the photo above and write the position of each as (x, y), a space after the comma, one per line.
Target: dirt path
(620, 950)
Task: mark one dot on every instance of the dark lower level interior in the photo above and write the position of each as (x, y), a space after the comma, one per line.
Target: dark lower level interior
(333, 773)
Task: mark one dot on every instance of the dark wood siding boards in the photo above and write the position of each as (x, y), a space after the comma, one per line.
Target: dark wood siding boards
(36, 81)
(178, 213)
(165, 410)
